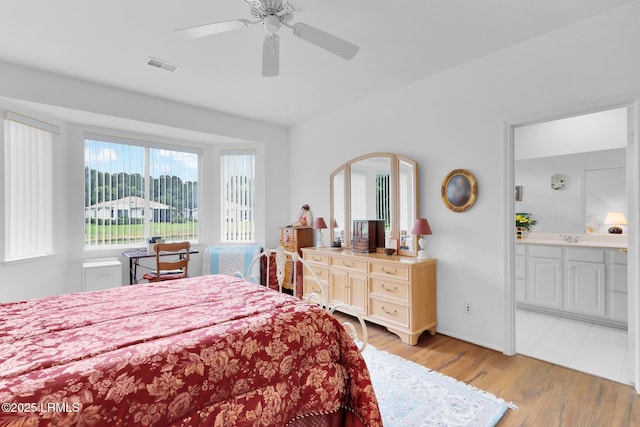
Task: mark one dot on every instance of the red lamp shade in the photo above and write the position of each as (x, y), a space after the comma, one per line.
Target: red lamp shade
(319, 223)
(421, 227)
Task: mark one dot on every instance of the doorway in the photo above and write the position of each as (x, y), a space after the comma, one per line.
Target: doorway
(542, 317)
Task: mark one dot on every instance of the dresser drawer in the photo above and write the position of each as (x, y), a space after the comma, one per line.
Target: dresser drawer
(395, 271)
(290, 246)
(389, 311)
(389, 289)
(316, 258)
(287, 237)
(349, 264)
(311, 286)
(321, 272)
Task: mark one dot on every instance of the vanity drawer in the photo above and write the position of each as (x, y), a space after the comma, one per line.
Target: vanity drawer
(389, 289)
(316, 258)
(585, 254)
(540, 251)
(389, 311)
(395, 271)
(349, 263)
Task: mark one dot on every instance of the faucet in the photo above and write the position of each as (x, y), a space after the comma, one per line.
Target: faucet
(571, 238)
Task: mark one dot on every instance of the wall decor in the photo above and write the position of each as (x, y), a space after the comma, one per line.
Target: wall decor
(459, 190)
(518, 193)
(558, 181)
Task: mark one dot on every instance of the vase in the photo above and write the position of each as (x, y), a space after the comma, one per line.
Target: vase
(521, 233)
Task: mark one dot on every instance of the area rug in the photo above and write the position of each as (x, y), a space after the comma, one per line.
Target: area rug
(412, 395)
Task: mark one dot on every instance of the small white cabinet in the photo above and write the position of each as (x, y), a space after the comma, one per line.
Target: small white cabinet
(101, 274)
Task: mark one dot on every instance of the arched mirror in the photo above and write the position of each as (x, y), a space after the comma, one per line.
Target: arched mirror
(338, 219)
(381, 186)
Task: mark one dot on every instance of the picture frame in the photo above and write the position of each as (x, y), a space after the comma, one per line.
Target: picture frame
(459, 190)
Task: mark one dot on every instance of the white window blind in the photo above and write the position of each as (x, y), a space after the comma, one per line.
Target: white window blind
(238, 196)
(28, 187)
(358, 195)
(134, 191)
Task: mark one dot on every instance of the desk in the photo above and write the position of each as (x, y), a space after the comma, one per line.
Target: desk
(135, 256)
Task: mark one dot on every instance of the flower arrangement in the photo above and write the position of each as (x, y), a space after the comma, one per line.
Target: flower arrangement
(524, 220)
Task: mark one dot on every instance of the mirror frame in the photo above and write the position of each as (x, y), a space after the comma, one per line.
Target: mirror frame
(345, 169)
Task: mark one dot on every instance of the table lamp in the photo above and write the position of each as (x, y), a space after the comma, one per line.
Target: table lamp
(319, 224)
(615, 219)
(422, 228)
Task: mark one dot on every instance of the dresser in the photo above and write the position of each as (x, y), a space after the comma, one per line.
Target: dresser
(397, 292)
(293, 239)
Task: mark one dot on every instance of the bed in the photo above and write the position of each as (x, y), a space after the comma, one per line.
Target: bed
(210, 350)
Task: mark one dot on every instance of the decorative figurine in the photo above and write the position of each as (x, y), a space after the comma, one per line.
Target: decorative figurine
(305, 219)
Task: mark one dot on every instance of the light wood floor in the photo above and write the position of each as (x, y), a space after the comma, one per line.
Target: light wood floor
(546, 394)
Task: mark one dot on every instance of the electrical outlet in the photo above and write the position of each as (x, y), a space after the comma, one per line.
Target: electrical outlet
(467, 307)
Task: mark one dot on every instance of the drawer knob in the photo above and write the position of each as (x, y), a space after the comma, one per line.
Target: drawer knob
(349, 264)
(389, 271)
(394, 289)
(316, 259)
(393, 313)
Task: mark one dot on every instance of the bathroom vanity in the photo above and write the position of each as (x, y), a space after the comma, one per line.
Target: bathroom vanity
(579, 276)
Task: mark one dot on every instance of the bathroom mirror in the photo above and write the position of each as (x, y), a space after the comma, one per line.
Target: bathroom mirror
(376, 186)
(605, 190)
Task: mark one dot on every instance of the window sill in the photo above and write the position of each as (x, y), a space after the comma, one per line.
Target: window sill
(29, 259)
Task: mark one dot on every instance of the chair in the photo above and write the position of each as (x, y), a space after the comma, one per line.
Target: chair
(170, 270)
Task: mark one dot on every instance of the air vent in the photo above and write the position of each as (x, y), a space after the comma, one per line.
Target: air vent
(164, 65)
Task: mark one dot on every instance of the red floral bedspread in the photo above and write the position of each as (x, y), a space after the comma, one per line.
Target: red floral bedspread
(210, 350)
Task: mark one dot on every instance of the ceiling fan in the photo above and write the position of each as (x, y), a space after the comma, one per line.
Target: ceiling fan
(273, 14)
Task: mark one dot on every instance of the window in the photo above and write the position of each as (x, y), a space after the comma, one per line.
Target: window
(28, 168)
(360, 182)
(135, 190)
(238, 196)
(383, 199)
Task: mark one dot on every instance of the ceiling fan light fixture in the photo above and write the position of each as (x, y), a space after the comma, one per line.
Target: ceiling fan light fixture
(273, 14)
(271, 23)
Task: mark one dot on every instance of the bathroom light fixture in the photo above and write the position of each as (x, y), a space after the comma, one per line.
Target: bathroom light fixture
(422, 228)
(616, 219)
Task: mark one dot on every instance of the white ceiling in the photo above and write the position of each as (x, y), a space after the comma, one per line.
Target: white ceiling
(400, 41)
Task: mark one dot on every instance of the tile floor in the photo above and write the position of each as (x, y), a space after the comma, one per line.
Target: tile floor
(586, 347)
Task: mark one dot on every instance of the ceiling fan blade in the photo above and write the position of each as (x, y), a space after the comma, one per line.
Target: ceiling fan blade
(271, 56)
(214, 28)
(327, 41)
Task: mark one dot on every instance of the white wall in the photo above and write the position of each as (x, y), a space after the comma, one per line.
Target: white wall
(124, 111)
(456, 120)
